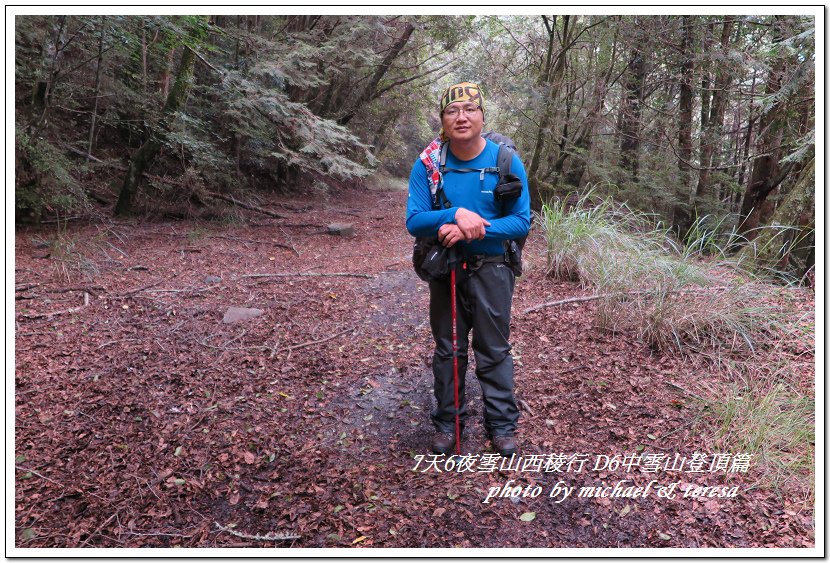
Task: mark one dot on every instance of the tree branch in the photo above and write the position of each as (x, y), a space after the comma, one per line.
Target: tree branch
(382, 91)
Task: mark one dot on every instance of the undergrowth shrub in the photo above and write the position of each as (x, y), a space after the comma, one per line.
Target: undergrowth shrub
(44, 180)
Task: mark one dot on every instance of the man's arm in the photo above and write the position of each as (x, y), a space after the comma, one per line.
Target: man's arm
(421, 219)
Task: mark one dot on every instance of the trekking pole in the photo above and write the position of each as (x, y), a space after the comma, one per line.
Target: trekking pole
(453, 264)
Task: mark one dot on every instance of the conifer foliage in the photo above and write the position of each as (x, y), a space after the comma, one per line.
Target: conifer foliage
(127, 107)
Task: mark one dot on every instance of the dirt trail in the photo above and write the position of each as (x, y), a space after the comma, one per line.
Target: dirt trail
(142, 420)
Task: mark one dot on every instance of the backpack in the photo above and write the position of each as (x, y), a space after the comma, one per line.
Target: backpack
(429, 257)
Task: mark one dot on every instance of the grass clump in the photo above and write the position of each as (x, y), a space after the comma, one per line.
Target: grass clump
(713, 303)
(69, 260)
(776, 425)
(650, 283)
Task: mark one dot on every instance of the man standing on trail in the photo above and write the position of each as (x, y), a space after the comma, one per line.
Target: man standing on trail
(473, 222)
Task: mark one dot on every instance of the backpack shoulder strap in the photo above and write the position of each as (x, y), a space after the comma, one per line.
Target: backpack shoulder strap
(504, 160)
(442, 161)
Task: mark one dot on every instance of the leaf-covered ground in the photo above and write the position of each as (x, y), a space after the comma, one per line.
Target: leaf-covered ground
(143, 420)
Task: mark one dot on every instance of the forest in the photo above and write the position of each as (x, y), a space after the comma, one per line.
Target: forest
(167, 167)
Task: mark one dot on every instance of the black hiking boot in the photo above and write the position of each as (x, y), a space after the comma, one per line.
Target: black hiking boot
(504, 445)
(443, 442)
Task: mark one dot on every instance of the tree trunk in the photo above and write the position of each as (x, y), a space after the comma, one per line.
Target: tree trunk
(43, 88)
(550, 87)
(379, 73)
(776, 247)
(168, 70)
(630, 115)
(583, 137)
(681, 216)
(97, 89)
(766, 171)
(143, 56)
(711, 144)
(148, 151)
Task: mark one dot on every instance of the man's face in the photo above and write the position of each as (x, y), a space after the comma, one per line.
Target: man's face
(462, 121)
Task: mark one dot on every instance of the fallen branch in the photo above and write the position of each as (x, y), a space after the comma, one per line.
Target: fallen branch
(33, 472)
(312, 342)
(186, 290)
(99, 528)
(525, 407)
(679, 388)
(295, 225)
(245, 205)
(257, 242)
(93, 289)
(132, 291)
(620, 294)
(26, 287)
(311, 274)
(270, 536)
(48, 315)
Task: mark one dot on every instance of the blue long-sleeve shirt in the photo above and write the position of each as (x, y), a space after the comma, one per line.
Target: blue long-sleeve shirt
(508, 220)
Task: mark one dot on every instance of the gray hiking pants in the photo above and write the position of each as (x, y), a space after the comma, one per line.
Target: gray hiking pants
(484, 297)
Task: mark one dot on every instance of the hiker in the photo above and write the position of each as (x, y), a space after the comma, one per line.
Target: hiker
(474, 224)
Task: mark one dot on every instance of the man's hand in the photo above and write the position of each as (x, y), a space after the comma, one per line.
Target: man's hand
(449, 234)
(471, 224)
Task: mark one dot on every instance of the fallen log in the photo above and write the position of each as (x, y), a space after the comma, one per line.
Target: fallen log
(245, 205)
(270, 536)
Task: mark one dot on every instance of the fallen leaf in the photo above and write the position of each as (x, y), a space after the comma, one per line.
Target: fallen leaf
(625, 510)
(438, 512)
(358, 540)
(249, 457)
(527, 516)
(663, 536)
